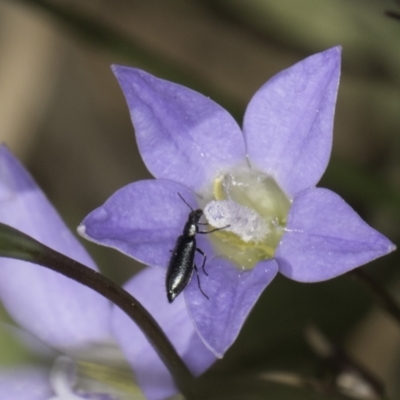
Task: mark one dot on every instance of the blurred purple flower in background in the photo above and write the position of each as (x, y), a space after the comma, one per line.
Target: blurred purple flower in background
(260, 182)
(86, 332)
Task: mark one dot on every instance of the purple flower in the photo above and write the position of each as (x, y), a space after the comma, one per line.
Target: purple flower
(260, 181)
(91, 334)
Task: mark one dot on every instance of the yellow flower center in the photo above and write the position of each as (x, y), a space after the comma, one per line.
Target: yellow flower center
(253, 209)
(73, 379)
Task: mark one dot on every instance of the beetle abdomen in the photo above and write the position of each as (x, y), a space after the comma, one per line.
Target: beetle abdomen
(180, 266)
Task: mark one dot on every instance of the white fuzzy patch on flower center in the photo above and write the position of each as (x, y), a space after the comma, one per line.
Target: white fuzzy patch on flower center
(256, 210)
(241, 220)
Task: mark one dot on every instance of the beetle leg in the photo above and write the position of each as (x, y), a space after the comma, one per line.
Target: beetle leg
(204, 259)
(198, 282)
(213, 230)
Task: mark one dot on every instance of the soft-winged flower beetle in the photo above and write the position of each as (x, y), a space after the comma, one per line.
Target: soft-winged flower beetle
(181, 264)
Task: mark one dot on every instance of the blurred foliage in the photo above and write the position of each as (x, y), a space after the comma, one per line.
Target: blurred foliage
(11, 349)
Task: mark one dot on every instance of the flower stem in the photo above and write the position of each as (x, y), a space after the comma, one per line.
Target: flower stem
(381, 295)
(15, 244)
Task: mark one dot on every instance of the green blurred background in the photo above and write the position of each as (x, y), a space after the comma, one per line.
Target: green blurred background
(63, 114)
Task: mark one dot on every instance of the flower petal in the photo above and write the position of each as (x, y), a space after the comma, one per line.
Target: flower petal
(154, 379)
(60, 312)
(182, 135)
(25, 383)
(288, 123)
(232, 294)
(142, 220)
(325, 238)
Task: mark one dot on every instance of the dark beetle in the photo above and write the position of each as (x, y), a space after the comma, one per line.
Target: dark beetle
(181, 264)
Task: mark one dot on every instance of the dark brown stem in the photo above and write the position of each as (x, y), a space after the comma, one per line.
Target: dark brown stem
(393, 14)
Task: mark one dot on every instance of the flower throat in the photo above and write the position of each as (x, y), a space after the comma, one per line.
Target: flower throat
(256, 210)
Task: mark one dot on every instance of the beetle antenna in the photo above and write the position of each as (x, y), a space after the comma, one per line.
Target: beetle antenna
(185, 201)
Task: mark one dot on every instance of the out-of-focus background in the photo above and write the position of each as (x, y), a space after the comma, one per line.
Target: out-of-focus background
(63, 114)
